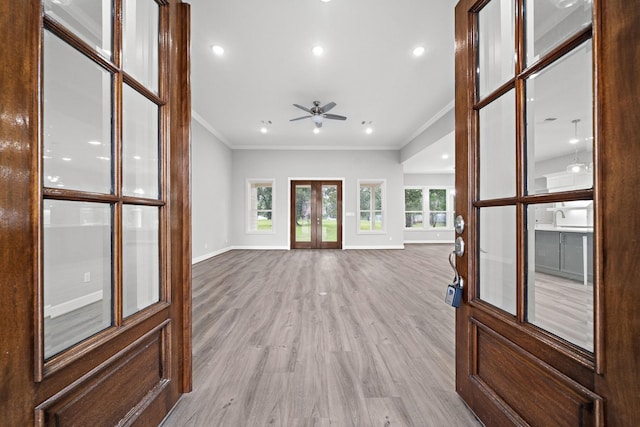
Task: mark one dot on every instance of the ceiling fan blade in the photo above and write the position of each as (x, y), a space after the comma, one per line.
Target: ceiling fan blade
(334, 117)
(328, 107)
(302, 108)
(300, 118)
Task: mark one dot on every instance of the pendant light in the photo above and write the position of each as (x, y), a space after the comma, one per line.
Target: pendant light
(576, 166)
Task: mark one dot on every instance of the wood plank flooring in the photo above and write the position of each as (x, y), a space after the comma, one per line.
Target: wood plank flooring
(323, 337)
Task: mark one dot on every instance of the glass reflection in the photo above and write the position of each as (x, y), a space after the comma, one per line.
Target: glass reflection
(76, 120)
(89, 20)
(141, 258)
(140, 24)
(560, 125)
(496, 45)
(77, 272)
(498, 148)
(549, 23)
(141, 166)
(498, 257)
(560, 270)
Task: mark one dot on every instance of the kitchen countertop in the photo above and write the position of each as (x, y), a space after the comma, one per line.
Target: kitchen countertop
(564, 229)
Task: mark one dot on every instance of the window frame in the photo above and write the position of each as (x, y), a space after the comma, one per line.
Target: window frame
(250, 211)
(426, 211)
(372, 183)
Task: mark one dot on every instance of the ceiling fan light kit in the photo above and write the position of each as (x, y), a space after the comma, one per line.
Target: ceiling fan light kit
(318, 113)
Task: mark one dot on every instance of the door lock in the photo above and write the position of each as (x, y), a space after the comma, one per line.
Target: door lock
(454, 290)
(458, 224)
(459, 246)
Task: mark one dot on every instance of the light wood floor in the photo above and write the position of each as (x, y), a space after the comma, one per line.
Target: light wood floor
(271, 348)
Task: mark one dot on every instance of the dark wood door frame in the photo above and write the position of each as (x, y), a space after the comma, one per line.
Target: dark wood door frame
(316, 202)
(572, 387)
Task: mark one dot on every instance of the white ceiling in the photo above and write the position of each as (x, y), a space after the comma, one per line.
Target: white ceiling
(367, 69)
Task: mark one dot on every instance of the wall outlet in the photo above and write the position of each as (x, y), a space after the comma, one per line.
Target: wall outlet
(87, 277)
(206, 245)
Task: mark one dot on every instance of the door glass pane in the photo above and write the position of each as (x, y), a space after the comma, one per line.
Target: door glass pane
(498, 148)
(76, 120)
(140, 258)
(329, 213)
(140, 149)
(77, 272)
(140, 23)
(560, 124)
(560, 270)
(89, 20)
(303, 213)
(498, 257)
(549, 23)
(496, 50)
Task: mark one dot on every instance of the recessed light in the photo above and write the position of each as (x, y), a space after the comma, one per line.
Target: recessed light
(263, 129)
(325, 1)
(217, 49)
(66, 159)
(445, 156)
(95, 143)
(103, 158)
(137, 157)
(316, 131)
(317, 50)
(369, 131)
(418, 51)
(574, 141)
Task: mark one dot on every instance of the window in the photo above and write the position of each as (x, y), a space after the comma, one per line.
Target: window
(103, 191)
(260, 203)
(371, 207)
(428, 208)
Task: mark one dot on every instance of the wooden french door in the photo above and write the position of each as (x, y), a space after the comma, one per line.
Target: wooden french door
(316, 215)
(545, 177)
(96, 262)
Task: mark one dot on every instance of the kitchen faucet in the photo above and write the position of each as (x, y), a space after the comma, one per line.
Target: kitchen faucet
(555, 216)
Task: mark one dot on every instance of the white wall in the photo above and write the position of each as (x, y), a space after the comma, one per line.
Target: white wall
(284, 165)
(211, 162)
(429, 236)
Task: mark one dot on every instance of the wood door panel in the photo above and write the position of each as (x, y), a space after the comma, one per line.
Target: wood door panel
(117, 391)
(539, 394)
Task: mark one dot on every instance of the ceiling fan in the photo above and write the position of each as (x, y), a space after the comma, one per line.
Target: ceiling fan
(318, 113)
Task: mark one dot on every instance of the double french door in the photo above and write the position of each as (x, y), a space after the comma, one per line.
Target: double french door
(316, 215)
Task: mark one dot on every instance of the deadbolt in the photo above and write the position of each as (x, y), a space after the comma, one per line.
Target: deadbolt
(459, 246)
(458, 224)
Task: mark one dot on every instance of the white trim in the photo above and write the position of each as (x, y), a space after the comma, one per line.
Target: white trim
(210, 255)
(373, 247)
(431, 121)
(198, 118)
(319, 147)
(260, 248)
(53, 311)
(447, 242)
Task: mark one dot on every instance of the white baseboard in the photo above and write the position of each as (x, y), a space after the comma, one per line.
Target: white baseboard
(53, 311)
(448, 242)
(261, 248)
(373, 247)
(210, 255)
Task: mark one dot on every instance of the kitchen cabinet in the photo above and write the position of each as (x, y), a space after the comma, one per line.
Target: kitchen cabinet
(547, 251)
(561, 253)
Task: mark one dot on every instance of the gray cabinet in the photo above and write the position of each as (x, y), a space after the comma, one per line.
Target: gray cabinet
(547, 251)
(572, 255)
(561, 254)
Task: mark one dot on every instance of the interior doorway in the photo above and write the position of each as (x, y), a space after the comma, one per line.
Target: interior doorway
(316, 215)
